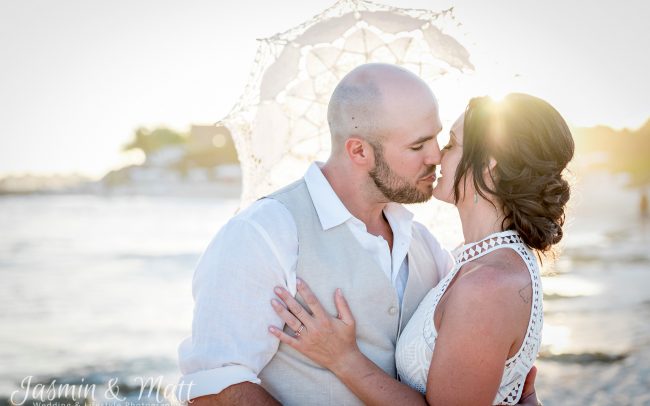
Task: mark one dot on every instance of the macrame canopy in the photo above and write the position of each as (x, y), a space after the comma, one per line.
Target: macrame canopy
(279, 123)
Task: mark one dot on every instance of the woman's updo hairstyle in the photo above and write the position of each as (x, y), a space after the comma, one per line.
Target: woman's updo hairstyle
(531, 144)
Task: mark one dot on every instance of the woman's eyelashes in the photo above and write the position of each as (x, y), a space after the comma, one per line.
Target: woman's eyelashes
(419, 147)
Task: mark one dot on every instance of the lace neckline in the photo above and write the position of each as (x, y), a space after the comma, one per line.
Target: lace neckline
(471, 251)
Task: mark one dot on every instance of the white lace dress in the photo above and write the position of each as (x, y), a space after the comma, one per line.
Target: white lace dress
(417, 341)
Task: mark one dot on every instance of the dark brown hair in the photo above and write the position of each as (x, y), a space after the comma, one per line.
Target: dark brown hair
(531, 144)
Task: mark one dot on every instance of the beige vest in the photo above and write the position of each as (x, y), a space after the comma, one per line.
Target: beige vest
(334, 259)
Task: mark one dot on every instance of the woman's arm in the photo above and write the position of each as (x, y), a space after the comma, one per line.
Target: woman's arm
(374, 386)
(478, 329)
(331, 342)
(468, 359)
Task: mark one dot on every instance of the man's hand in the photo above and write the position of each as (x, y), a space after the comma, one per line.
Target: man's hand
(529, 396)
(245, 393)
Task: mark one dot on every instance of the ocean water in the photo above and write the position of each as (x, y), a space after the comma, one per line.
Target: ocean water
(596, 347)
(95, 287)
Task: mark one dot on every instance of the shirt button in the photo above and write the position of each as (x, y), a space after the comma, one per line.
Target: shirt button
(392, 310)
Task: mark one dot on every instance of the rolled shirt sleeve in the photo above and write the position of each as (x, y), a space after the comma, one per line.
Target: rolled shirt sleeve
(232, 289)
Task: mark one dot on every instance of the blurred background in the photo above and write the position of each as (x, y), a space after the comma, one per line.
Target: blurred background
(114, 176)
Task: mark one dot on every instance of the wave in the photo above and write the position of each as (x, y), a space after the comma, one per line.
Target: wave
(584, 358)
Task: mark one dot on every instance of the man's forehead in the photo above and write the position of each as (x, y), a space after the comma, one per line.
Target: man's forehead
(436, 123)
(413, 138)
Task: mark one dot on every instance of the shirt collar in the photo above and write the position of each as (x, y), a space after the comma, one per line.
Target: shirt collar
(332, 212)
(330, 209)
(400, 220)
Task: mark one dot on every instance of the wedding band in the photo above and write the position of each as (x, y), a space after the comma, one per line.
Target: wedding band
(297, 334)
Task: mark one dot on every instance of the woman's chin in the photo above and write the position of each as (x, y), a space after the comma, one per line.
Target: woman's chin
(442, 195)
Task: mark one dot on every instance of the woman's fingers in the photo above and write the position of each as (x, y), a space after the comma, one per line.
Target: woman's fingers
(286, 315)
(311, 300)
(296, 315)
(284, 337)
(529, 383)
(345, 314)
(294, 307)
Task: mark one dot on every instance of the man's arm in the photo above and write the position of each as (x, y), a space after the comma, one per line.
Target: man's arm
(244, 393)
(232, 288)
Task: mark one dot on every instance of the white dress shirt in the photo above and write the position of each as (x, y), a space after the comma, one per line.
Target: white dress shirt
(254, 252)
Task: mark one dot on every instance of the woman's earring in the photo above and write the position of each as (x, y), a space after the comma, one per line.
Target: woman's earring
(475, 197)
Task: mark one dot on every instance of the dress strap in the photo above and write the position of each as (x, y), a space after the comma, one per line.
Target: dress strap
(472, 251)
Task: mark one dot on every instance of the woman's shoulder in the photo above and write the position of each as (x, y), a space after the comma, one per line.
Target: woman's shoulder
(498, 282)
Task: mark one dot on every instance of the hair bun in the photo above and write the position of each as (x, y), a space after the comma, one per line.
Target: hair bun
(536, 209)
(532, 145)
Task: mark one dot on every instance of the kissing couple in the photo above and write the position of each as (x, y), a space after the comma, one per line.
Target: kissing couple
(326, 292)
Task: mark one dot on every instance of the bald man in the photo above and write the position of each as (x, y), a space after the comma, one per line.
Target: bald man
(340, 226)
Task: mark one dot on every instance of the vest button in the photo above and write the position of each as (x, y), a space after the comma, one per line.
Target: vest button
(392, 310)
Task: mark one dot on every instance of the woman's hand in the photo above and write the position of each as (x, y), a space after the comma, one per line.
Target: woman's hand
(328, 341)
(331, 342)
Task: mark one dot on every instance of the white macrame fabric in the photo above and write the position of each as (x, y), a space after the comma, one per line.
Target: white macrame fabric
(416, 343)
(279, 124)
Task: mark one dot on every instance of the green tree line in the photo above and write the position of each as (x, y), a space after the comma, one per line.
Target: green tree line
(626, 151)
(203, 153)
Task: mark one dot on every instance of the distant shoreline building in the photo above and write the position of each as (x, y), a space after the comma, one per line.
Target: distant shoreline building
(205, 159)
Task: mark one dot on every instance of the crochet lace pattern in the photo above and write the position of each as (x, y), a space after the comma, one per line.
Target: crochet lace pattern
(416, 344)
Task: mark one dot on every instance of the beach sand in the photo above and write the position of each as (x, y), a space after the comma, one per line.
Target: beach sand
(596, 348)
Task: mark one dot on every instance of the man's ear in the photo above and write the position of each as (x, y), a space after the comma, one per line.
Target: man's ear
(359, 151)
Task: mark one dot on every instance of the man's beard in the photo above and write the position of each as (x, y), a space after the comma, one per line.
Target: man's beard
(392, 186)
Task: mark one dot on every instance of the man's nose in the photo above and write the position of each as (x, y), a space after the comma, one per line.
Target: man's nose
(434, 155)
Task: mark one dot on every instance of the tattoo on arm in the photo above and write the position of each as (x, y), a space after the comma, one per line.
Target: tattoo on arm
(523, 292)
